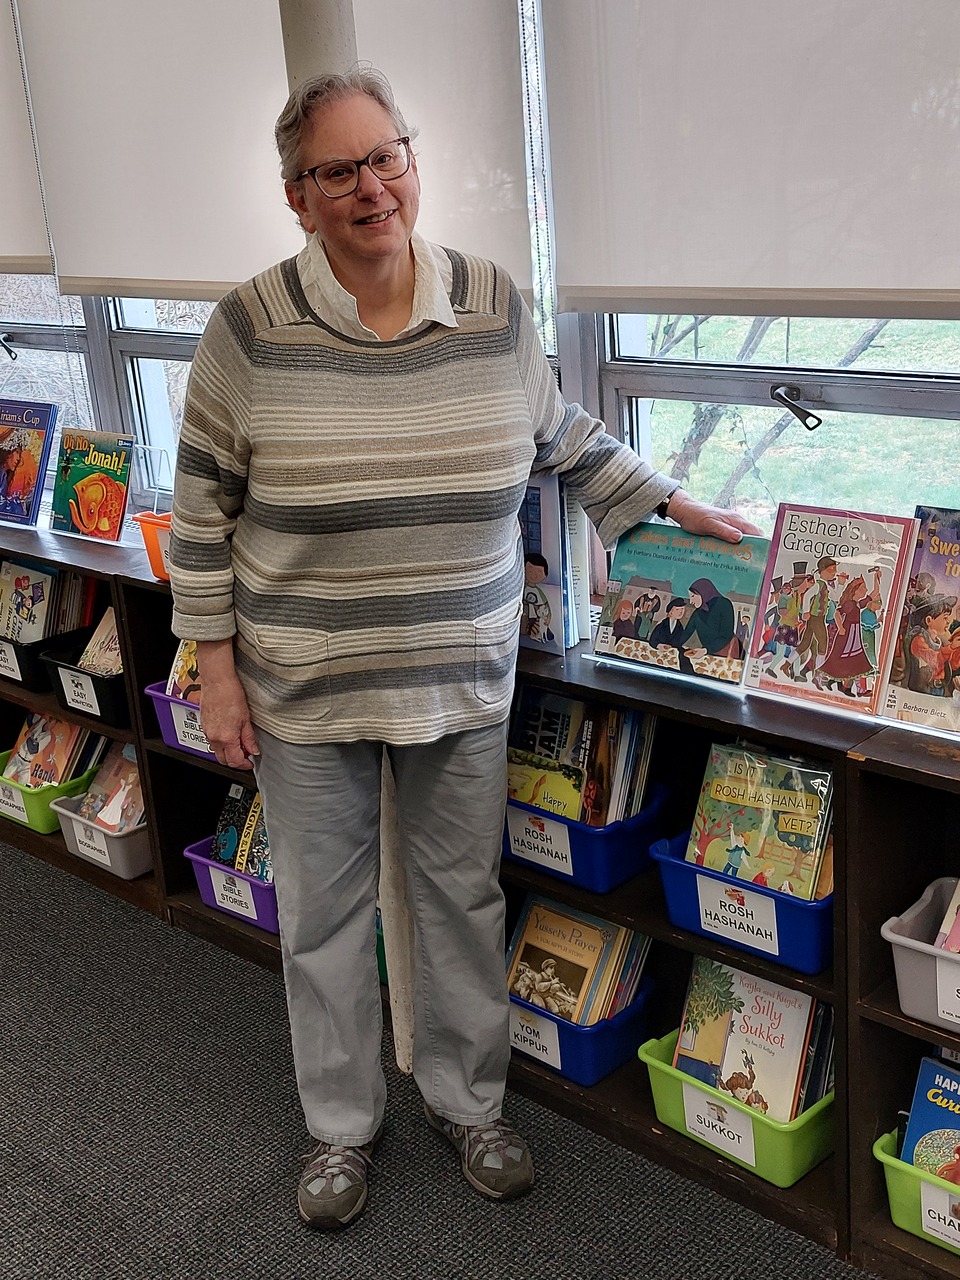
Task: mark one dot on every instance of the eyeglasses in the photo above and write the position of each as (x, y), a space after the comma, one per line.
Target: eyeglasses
(337, 178)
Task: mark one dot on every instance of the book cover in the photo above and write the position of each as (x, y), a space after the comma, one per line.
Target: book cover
(832, 595)
(114, 799)
(25, 597)
(253, 850)
(681, 601)
(26, 434)
(90, 484)
(932, 1138)
(924, 682)
(948, 935)
(43, 752)
(558, 956)
(541, 528)
(101, 654)
(184, 678)
(762, 818)
(745, 1036)
(231, 822)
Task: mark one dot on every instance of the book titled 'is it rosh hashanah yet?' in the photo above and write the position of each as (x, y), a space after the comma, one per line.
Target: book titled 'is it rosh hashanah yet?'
(91, 483)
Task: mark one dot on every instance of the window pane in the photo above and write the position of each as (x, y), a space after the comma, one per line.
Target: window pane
(159, 388)
(164, 315)
(50, 376)
(752, 457)
(922, 346)
(34, 300)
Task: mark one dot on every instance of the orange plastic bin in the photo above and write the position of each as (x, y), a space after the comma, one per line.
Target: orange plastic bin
(155, 530)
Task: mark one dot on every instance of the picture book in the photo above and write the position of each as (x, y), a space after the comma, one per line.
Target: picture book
(541, 528)
(558, 958)
(101, 654)
(831, 600)
(44, 752)
(681, 601)
(745, 1036)
(762, 818)
(253, 851)
(25, 597)
(26, 434)
(114, 799)
(948, 935)
(184, 678)
(923, 686)
(932, 1138)
(90, 484)
(231, 822)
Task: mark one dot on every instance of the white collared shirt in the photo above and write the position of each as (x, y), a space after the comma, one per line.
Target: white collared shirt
(338, 308)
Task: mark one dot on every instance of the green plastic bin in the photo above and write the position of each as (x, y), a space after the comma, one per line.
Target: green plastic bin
(782, 1153)
(30, 806)
(908, 1188)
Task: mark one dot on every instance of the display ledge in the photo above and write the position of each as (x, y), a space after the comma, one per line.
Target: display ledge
(883, 1006)
(620, 1108)
(187, 911)
(702, 702)
(932, 759)
(640, 904)
(85, 555)
(885, 1250)
(144, 892)
(47, 702)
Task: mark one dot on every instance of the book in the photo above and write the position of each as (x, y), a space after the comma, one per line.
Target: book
(26, 593)
(45, 751)
(832, 595)
(101, 654)
(681, 602)
(541, 529)
(578, 538)
(114, 799)
(932, 1138)
(184, 678)
(745, 1036)
(559, 959)
(948, 934)
(26, 434)
(90, 484)
(923, 686)
(253, 849)
(762, 818)
(230, 824)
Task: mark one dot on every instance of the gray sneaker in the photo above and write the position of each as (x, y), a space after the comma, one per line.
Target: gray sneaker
(333, 1187)
(494, 1158)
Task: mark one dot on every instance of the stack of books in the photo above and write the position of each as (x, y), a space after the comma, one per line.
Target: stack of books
(50, 751)
(555, 612)
(114, 799)
(38, 603)
(574, 965)
(241, 840)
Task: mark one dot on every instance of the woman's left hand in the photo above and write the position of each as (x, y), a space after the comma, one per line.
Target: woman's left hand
(706, 520)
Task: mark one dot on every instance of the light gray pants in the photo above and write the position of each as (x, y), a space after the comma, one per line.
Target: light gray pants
(322, 809)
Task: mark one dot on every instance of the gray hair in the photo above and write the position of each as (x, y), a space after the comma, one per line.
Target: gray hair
(317, 92)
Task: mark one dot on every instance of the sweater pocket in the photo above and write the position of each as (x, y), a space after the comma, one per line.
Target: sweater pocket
(495, 655)
(295, 665)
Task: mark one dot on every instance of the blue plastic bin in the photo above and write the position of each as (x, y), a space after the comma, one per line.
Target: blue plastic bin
(598, 858)
(582, 1054)
(794, 932)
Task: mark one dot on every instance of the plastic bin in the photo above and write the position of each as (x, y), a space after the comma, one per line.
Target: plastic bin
(920, 1202)
(30, 806)
(23, 663)
(928, 977)
(598, 858)
(125, 853)
(231, 891)
(778, 1152)
(179, 722)
(155, 531)
(792, 931)
(77, 690)
(583, 1054)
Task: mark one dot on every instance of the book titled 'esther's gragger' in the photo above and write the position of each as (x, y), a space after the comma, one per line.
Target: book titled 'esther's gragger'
(90, 484)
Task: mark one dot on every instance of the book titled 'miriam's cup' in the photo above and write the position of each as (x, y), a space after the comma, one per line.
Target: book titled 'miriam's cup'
(26, 433)
(91, 482)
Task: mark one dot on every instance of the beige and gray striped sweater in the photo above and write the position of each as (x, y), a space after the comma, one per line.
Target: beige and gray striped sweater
(347, 509)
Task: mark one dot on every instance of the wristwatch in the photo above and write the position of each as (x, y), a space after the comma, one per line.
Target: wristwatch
(661, 508)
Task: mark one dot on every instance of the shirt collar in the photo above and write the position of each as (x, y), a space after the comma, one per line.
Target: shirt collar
(335, 306)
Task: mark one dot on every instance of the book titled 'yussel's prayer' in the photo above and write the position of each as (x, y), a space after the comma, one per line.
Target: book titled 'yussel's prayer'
(91, 482)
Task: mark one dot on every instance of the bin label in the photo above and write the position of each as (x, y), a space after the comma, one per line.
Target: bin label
(9, 666)
(718, 1124)
(536, 838)
(163, 542)
(948, 989)
(186, 725)
(730, 911)
(11, 802)
(79, 691)
(940, 1213)
(92, 842)
(232, 893)
(535, 1036)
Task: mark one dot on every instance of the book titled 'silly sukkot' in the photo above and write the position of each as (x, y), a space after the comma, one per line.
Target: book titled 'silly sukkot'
(91, 482)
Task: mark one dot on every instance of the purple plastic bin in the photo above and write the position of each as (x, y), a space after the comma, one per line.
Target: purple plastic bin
(234, 892)
(179, 722)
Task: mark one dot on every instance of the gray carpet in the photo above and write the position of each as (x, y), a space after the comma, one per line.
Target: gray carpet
(149, 1126)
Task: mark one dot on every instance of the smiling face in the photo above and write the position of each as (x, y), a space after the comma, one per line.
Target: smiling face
(374, 223)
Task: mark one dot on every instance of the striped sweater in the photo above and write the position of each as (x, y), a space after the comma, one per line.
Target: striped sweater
(347, 508)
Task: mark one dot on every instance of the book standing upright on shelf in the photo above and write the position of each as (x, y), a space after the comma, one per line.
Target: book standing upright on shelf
(91, 483)
(548, 619)
(26, 434)
(26, 593)
(932, 1138)
(831, 599)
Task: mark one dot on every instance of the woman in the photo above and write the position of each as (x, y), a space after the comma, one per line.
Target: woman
(847, 662)
(713, 621)
(360, 426)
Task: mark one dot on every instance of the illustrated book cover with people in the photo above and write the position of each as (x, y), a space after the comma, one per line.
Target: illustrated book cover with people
(91, 484)
(745, 1036)
(101, 654)
(26, 436)
(682, 602)
(564, 960)
(45, 751)
(26, 593)
(923, 686)
(542, 530)
(114, 799)
(831, 601)
(932, 1138)
(762, 818)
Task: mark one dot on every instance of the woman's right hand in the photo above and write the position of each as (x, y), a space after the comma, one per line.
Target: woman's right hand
(224, 713)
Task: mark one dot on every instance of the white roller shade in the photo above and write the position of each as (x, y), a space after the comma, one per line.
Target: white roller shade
(756, 156)
(455, 70)
(155, 132)
(23, 237)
